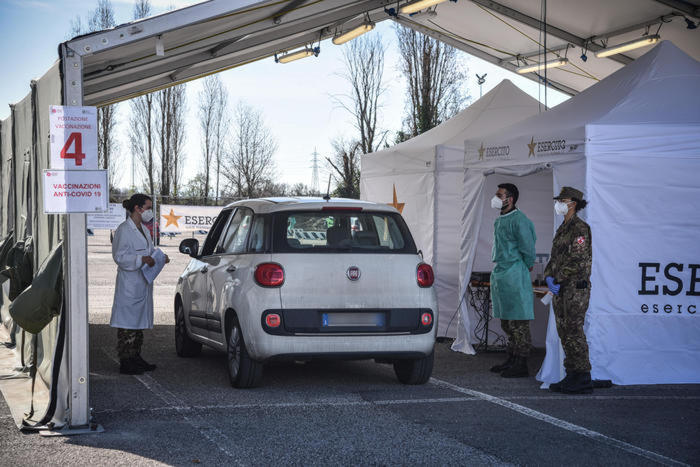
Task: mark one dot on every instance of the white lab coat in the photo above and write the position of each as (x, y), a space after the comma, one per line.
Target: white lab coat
(133, 296)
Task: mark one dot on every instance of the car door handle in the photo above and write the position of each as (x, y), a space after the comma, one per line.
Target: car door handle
(231, 268)
(204, 270)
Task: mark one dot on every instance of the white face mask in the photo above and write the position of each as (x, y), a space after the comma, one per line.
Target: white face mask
(496, 202)
(561, 208)
(147, 216)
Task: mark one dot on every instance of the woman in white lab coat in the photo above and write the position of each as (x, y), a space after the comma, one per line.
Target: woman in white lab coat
(132, 310)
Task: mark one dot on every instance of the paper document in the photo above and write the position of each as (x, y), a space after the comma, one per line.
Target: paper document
(150, 273)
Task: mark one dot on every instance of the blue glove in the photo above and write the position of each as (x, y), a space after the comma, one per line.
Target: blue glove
(554, 288)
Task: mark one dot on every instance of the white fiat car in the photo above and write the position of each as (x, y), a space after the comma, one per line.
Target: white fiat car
(305, 278)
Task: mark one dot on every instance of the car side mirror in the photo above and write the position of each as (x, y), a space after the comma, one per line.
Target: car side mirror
(189, 246)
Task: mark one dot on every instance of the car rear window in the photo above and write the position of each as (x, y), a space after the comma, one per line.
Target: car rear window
(341, 232)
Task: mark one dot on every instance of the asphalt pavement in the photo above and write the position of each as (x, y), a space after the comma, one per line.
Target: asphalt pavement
(345, 413)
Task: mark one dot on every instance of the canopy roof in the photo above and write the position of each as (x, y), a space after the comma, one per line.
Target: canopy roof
(664, 78)
(509, 33)
(174, 47)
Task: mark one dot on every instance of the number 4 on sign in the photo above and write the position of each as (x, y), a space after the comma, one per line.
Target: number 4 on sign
(77, 154)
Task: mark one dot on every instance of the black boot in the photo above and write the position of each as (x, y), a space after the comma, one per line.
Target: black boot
(505, 365)
(144, 364)
(556, 387)
(518, 369)
(580, 383)
(129, 366)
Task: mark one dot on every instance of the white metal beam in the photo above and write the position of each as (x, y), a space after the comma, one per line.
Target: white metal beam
(156, 25)
(75, 272)
(314, 26)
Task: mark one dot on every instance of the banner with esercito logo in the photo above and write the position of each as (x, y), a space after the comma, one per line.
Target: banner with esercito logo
(178, 218)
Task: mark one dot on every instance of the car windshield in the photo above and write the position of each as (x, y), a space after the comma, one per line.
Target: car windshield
(342, 231)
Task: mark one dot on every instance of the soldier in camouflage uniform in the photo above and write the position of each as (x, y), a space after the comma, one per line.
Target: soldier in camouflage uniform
(568, 273)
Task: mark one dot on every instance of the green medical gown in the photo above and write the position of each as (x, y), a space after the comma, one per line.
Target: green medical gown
(514, 254)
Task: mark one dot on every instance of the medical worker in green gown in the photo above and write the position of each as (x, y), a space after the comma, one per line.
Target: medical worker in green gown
(511, 288)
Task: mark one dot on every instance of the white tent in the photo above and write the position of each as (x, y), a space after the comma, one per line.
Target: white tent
(632, 144)
(425, 175)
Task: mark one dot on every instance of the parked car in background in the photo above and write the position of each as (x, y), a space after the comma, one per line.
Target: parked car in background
(304, 278)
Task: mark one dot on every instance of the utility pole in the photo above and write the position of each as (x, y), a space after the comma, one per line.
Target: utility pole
(314, 173)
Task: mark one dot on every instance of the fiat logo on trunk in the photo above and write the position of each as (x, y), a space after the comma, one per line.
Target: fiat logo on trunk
(353, 273)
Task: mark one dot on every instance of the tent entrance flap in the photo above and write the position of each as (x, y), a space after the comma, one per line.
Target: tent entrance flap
(535, 201)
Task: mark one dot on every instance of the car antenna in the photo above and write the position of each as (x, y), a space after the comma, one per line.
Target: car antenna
(327, 196)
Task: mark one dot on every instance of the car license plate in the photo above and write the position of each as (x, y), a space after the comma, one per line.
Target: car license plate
(371, 319)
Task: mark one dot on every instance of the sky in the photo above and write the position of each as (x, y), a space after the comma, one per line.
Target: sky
(296, 99)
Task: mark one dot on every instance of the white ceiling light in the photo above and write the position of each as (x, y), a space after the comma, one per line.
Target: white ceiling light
(631, 45)
(412, 7)
(541, 66)
(353, 33)
(303, 53)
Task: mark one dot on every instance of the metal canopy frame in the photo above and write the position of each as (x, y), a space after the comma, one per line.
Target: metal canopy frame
(175, 47)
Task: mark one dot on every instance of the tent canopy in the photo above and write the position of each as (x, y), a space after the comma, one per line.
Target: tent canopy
(153, 53)
(509, 33)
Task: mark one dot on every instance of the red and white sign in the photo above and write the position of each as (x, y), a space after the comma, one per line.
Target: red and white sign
(75, 191)
(73, 137)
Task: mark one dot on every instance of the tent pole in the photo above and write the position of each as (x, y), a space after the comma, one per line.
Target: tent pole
(75, 271)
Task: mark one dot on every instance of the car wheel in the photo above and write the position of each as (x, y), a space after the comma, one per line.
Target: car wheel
(184, 345)
(414, 371)
(243, 371)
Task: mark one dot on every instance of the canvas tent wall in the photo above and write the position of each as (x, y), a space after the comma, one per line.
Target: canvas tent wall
(24, 155)
(425, 173)
(632, 143)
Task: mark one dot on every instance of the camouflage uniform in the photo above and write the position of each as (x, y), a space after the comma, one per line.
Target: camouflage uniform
(570, 266)
(129, 343)
(518, 332)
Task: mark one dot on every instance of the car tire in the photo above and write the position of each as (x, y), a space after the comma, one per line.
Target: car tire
(414, 371)
(184, 345)
(243, 371)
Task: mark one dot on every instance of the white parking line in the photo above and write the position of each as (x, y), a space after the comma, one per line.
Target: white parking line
(560, 423)
(206, 429)
(322, 404)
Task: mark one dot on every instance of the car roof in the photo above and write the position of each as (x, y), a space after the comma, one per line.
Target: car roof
(265, 205)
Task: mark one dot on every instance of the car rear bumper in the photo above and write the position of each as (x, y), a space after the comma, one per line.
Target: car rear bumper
(264, 347)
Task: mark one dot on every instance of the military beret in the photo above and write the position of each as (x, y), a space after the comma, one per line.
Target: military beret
(568, 193)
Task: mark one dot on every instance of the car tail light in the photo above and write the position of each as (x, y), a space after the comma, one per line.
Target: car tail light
(426, 319)
(273, 320)
(269, 275)
(425, 275)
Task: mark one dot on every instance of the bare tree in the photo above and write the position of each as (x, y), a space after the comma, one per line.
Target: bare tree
(142, 138)
(345, 165)
(434, 76)
(98, 19)
(142, 9)
(178, 136)
(169, 111)
(141, 124)
(214, 125)
(221, 130)
(248, 164)
(364, 71)
(300, 189)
